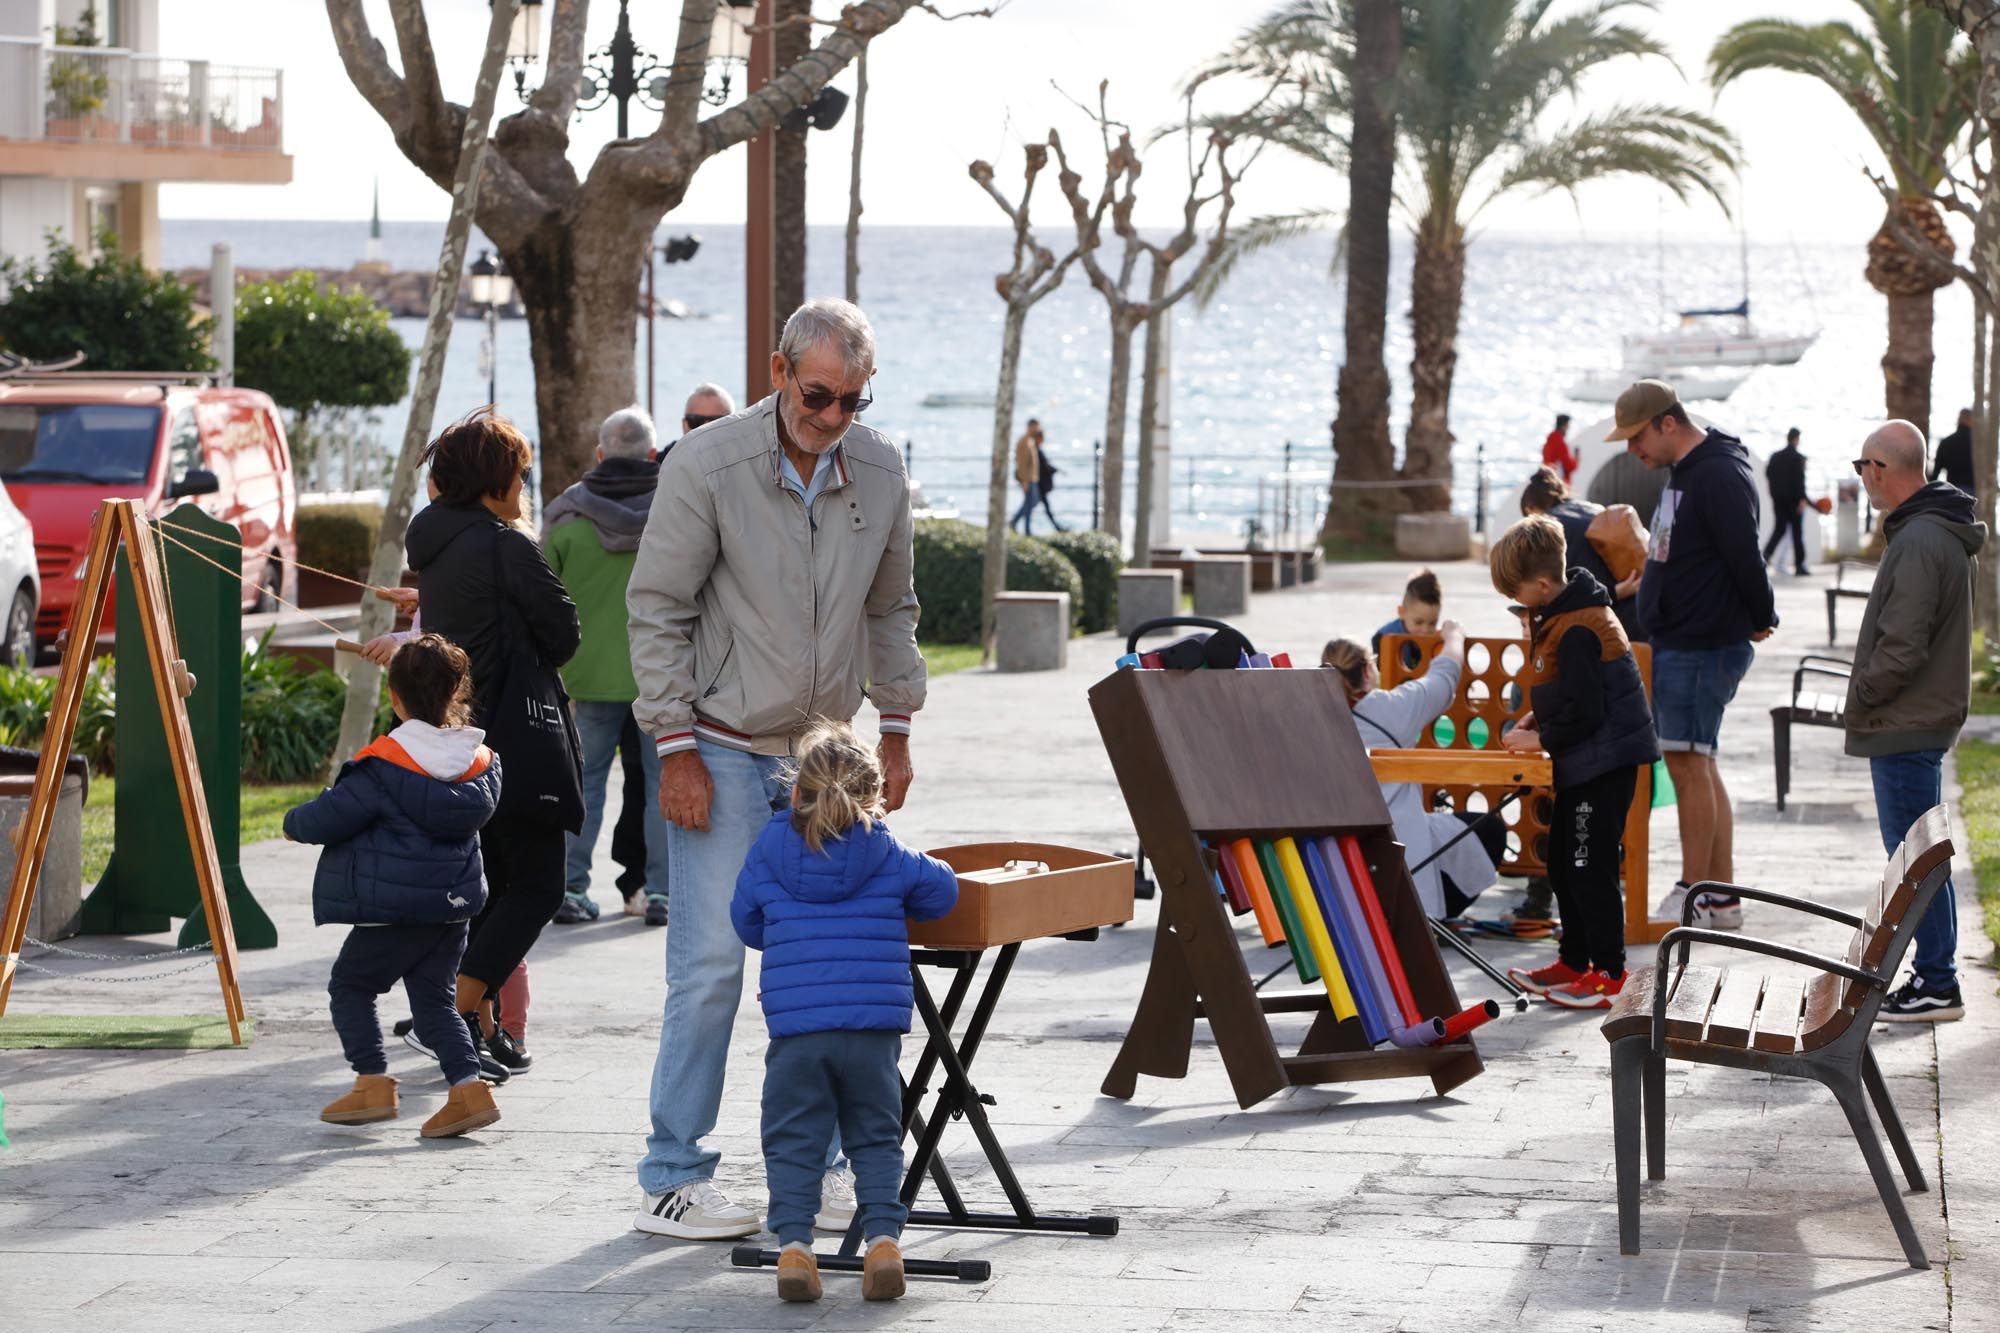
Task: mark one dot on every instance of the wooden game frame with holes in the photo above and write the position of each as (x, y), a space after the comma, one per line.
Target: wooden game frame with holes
(116, 523)
(1211, 755)
(1460, 771)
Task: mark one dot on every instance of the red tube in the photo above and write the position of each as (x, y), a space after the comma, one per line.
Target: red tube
(1461, 1023)
(1378, 926)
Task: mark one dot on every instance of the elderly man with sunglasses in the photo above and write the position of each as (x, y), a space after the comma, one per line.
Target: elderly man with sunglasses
(772, 582)
(1912, 680)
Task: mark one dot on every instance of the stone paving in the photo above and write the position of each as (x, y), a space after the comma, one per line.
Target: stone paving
(198, 1190)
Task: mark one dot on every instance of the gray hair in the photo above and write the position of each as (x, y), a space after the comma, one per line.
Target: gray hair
(825, 321)
(715, 391)
(627, 433)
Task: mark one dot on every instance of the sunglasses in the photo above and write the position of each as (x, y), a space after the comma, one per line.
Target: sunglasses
(697, 422)
(1861, 463)
(818, 400)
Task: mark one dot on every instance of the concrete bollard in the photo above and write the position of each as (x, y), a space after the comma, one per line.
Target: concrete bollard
(1433, 536)
(1031, 631)
(1222, 585)
(1147, 594)
(59, 894)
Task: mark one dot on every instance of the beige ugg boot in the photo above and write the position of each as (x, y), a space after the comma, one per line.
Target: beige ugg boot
(798, 1275)
(466, 1108)
(372, 1098)
(882, 1272)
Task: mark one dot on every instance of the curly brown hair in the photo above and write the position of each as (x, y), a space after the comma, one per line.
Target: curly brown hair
(432, 677)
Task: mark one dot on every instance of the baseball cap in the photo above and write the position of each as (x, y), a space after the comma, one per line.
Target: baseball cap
(1641, 402)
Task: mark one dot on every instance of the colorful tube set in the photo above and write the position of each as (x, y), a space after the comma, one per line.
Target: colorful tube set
(1316, 896)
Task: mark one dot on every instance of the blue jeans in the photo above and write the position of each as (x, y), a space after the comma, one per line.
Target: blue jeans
(1906, 785)
(598, 724)
(1025, 515)
(1691, 687)
(823, 1086)
(704, 965)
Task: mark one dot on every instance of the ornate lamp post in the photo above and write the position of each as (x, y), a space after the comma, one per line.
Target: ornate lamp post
(489, 287)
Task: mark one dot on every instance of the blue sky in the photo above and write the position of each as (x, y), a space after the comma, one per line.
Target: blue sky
(943, 93)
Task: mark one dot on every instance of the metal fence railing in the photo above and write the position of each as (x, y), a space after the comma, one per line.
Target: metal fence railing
(84, 94)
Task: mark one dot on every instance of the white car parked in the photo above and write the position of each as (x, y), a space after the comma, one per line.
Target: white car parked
(20, 584)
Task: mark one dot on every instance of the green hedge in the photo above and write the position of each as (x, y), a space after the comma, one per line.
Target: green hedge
(948, 553)
(1098, 559)
(339, 538)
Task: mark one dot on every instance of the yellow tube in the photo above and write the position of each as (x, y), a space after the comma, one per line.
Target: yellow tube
(1317, 938)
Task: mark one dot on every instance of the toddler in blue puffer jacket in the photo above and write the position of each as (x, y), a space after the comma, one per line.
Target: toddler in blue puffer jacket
(401, 829)
(825, 893)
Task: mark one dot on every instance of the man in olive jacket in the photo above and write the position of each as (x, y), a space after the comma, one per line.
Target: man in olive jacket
(773, 581)
(1912, 680)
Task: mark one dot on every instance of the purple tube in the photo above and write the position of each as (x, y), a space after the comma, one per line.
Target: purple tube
(1429, 1032)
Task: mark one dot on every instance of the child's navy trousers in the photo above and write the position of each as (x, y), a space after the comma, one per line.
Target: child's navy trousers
(425, 959)
(817, 1082)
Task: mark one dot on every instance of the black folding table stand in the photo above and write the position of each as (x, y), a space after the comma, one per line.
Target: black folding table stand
(957, 1097)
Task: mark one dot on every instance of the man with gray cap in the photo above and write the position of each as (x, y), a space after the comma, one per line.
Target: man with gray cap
(774, 579)
(1912, 682)
(1704, 599)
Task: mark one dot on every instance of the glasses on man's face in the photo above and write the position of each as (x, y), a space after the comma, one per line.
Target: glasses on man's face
(693, 422)
(1861, 464)
(818, 400)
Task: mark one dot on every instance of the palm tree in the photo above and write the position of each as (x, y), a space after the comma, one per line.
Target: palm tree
(1914, 91)
(1477, 82)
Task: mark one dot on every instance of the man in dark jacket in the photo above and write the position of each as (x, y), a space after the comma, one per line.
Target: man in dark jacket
(1704, 599)
(1954, 456)
(1911, 684)
(1785, 474)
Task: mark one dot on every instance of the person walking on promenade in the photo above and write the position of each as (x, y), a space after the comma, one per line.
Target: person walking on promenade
(1557, 454)
(400, 825)
(1954, 456)
(1045, 475)
(773, 580)
(485, 586)
(590, 534)
(824, 894)
(1704, 599)
(1785, 474)
(1028, 471)
(1911, 684)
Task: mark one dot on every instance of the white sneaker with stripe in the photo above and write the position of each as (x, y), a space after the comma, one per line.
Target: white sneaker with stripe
(695, 1211)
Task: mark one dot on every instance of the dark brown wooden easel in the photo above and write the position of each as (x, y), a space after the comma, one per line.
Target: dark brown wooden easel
(1212, 755)
(116, 522)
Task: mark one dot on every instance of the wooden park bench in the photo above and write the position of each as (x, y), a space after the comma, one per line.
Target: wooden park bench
(1861, 569)
(1807, 708)
(1814, 1028)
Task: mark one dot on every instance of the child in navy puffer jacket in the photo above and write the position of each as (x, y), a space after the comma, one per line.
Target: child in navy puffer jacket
(825, 894)
(401, 829)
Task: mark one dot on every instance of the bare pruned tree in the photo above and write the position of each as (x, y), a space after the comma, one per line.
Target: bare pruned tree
(575, 242)
(1117, 200)
(1034, 273)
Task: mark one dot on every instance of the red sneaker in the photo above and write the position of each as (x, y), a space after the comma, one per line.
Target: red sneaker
(1592, 990)
(1544, 979)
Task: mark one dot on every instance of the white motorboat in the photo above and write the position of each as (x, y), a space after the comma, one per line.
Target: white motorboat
(1692, 384)
(1717, 338)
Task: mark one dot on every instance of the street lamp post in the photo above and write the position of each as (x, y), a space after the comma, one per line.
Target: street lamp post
(490, 288)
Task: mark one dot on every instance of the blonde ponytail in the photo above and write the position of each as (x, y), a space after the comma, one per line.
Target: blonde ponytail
(836, 785)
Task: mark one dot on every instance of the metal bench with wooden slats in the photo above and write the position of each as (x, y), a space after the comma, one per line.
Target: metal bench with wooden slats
(1840, 590)
(1807, 708)
(1814, 1028)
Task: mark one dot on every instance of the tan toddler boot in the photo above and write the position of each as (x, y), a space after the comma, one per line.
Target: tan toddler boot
(798, 1275)
(467, 1107)
(373, 1098)
(882, 1271)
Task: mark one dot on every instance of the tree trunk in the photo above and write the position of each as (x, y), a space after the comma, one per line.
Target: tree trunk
(1123, 325)
(1000, 489)
(791, 42)
(1361, 449)
(1149, 404)
(854, 180)
(1906, 365)
(1986, 470)
(1908, 279)
(1437, 292)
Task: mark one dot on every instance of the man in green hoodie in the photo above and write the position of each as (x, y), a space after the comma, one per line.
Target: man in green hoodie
(590, 534)
(1912, 680)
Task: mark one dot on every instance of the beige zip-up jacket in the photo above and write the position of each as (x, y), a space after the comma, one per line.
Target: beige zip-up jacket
(750, 618)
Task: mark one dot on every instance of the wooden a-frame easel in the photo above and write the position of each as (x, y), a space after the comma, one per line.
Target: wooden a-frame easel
(118, 522)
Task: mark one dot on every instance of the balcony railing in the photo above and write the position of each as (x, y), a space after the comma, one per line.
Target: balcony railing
(92, 94)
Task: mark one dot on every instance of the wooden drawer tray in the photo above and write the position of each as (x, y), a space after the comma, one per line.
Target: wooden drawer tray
(1080, 889)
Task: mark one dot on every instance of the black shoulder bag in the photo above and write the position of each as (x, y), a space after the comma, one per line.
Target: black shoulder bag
(530, 726)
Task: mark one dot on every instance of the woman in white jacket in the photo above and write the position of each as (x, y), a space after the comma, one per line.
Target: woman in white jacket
(1396, 718)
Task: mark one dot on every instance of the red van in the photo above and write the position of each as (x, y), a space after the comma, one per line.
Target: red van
(68, 442)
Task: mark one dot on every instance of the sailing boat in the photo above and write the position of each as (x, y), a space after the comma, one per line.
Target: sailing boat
(1723, 337)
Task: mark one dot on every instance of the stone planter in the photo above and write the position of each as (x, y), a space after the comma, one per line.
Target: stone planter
(1030, 631)
(1147, 594)
(1222, 585)
(1433, 536)
(59, 894)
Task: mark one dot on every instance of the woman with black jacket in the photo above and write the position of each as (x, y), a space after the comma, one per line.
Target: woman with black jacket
(485, 586)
